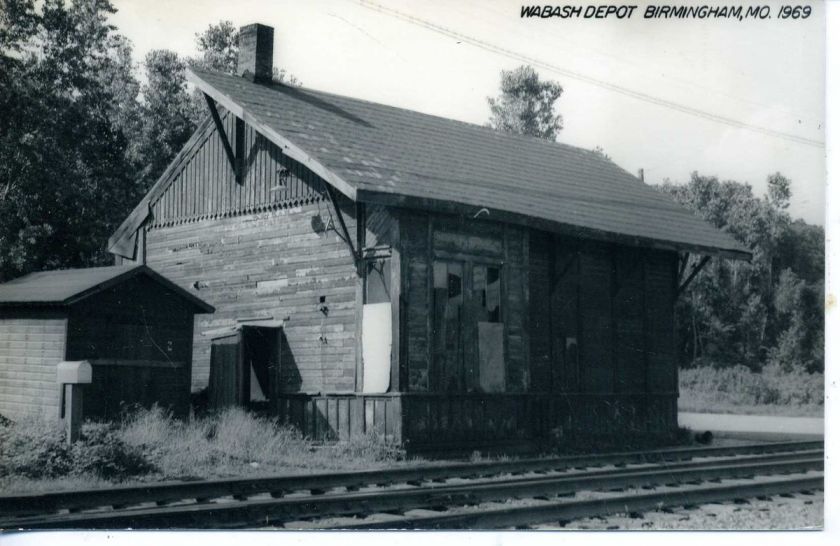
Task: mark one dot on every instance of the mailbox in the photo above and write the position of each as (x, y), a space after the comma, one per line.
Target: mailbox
(75, 373)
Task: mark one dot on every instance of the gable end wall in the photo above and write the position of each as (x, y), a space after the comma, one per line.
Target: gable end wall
(253, 251)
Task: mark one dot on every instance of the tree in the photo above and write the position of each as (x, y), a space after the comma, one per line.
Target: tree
(169, 115)
(526, 105)
(768, 310)
(218, 46)
(66, 99)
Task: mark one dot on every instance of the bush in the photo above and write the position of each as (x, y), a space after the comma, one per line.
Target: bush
(740, 386)
(37, 448)
(233, 442)
(34, 448)
(101, 452)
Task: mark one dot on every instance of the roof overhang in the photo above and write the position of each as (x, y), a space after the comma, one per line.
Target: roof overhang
(287, 146)
(123, 241)
(200, 304)
(559, 227)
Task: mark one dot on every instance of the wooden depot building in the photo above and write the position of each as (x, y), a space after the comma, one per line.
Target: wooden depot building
(379, 269)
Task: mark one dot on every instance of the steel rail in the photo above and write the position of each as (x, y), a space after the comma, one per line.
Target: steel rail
(278, 511)
(167, 492)
(571, 510)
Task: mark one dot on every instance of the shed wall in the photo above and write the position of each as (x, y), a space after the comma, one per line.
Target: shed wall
(138, 337)
(31, 346)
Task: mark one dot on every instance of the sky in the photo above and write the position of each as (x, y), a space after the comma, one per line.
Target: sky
(627, 83)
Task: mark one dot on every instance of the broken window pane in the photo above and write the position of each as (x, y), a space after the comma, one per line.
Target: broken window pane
(378, 281)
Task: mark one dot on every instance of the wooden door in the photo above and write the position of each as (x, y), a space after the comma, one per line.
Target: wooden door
(226, 385)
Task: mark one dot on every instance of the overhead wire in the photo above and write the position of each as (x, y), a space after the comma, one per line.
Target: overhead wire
(658, 101)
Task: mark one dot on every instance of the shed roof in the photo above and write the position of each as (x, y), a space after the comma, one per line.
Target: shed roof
(382, 154)
(67, 286)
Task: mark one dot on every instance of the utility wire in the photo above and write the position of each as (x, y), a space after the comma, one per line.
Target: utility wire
(694, 85)
(487, 46)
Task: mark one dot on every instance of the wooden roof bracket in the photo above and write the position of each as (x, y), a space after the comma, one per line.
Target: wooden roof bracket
(234, 158)
(694, 271)
(345, 233)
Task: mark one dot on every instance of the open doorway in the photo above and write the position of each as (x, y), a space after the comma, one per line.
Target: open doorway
(245, 368)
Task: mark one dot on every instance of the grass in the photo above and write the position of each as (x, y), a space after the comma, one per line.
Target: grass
(150, 445)
(739, 390)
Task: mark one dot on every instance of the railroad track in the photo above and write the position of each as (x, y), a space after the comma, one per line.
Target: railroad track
(466, 495)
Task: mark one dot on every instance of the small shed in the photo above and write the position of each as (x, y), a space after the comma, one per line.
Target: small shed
(133, 325)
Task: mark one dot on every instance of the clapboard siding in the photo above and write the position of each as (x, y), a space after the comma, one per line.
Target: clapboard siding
(30, 349)
(274, 265)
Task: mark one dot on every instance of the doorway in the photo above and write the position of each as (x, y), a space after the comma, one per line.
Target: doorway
(245, 368)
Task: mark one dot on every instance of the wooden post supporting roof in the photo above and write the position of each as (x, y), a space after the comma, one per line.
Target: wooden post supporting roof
(694, 271)
(345, 232)
(235, 159)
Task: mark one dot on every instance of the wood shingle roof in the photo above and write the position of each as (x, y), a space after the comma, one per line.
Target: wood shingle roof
(376, 153)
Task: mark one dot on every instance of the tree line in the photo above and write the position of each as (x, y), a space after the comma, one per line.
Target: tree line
(82, 140)
(765, 312)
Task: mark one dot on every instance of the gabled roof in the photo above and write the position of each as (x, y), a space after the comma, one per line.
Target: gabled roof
(68, 286)
(381, 154)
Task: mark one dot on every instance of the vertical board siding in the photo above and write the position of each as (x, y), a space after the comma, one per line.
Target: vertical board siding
(449, 421)
(136, 320)
(414, 238)
(619, 302)
(343, 417)
(596, 342)
(204, 186)
(271, 265)
(30, 349)
(659, 319)
(515, 276)
(539, 282)
(629, 321)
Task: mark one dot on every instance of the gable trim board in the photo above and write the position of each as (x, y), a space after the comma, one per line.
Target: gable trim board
(623, 211)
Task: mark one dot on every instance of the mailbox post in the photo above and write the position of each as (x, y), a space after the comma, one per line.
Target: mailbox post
(71, 377)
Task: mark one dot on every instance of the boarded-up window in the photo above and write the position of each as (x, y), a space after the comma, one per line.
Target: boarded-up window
(487, 284)
(448, 345)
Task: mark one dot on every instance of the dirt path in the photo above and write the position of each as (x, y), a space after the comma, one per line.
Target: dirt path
(768, 427)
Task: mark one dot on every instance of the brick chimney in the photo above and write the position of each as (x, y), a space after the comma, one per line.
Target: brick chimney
(256, 52)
